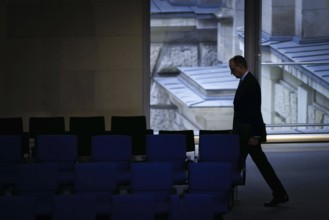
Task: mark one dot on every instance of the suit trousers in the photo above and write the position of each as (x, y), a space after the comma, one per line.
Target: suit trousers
(258, 156)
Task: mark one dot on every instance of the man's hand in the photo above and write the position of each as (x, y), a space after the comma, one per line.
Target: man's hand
(253, 141)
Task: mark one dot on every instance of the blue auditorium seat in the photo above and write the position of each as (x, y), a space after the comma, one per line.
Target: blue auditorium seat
(98, 179)
(225, 148)
(192, 207)
(85, 127)
(133, 206)
(61, 150)
(154, 179)
(170, 148)
(134, 126)
(10, 156)
(39, 181)
(214, 179)
(73, 207)
(17, 208)
(116, 149)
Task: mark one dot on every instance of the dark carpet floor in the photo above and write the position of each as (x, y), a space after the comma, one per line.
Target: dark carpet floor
(304, 171)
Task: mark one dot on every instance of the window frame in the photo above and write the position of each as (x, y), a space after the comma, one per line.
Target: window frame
(252, 52)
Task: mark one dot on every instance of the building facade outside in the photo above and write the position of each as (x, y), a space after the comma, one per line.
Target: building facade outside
(191, 42)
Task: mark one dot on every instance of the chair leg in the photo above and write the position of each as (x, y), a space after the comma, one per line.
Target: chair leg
(244, 174)
(218, 217)
(234, 197)
(236, 193)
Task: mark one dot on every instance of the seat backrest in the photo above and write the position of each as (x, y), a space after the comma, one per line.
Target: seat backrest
(212, 178)
(111, 148)
(134, 126)
(198, 206)
(167, 148)
(128, 123)
(17, 207)
(12, 125)
(133, 206)
(10, 148)
(85, 128)
(154, 179)
(189, 134)
(151, 177)
(209, 177)
(46, 125)
(56, 148)
(35, 178)
(74, 207)
(203, 131)
(87, 124)
(95, 177)
(10, 156)
(192, 207)
(219, 147)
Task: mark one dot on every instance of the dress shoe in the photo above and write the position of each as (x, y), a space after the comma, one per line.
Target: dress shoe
(276, 201)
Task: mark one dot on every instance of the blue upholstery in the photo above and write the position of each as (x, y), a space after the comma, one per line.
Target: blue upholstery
(192, 207)
(189, 135)
(10, 156)
(204, 132)
(155, 179)
(168, 148)
(40, 181)
(17, 208)
(74, 207)
(98, 179)
(133, 206)
(60, 150)
(222, 147)
(212, 178)
(116, 149)
(10, 148)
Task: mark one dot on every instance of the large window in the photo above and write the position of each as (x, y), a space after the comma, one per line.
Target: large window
(295, 64)
(191, 42)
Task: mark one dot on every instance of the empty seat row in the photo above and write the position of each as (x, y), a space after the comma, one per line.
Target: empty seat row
(62, 151)
(151, 193)
(83, 127)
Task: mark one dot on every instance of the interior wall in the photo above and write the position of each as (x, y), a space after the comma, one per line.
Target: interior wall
(71, 58)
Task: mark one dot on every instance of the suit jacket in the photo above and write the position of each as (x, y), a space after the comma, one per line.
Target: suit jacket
(247, 108)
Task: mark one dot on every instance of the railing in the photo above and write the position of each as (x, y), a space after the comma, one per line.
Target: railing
(286, 137)
(294, 63)
(298, 137)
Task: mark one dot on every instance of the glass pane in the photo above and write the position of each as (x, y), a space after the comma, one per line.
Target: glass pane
(191, 43)
(295, 66)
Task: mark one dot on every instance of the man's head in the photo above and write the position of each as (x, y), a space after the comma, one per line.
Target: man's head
(238, 65)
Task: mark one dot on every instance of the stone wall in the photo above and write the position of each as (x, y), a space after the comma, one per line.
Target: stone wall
(317, 114)
(278, 17)
(166, 58)
(285, 102)
(298, 105)
(308, 27)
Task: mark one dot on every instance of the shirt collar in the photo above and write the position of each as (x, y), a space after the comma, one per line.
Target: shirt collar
(244, 75)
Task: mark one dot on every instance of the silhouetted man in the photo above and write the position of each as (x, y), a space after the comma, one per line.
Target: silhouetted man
(248, 117)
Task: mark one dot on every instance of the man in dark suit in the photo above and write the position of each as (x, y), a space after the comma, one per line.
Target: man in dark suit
(248, 123)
